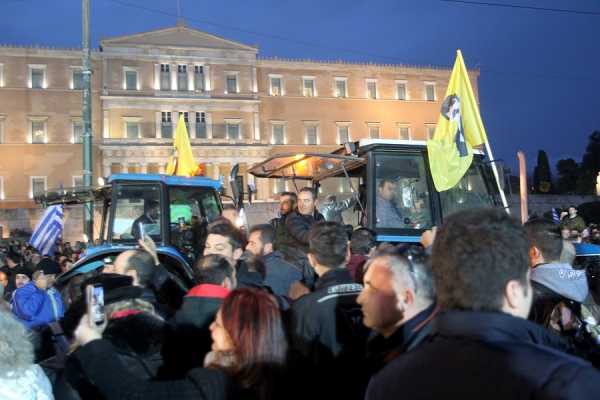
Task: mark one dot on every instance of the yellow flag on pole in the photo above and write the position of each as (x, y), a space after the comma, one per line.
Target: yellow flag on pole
(459, 129)
(181, 162)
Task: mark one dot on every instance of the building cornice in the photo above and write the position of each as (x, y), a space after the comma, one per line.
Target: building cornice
(157, 103)
(44, 51)
(290, 63)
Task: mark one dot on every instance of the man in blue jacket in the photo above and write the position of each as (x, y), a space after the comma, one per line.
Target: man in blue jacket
(481, 345)
(37, 303)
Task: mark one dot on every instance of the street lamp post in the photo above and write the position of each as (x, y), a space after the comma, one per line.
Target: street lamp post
(88, 214)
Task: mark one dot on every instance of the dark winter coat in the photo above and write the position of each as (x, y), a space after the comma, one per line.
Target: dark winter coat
(381, 350)
(486, 355)
(111, 376)
(294, 244)
(328, 337)
(189, 340)
(136, 340)
(280, 273)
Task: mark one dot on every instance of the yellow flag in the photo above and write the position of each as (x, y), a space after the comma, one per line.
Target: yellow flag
(459, 129)
(182, 163)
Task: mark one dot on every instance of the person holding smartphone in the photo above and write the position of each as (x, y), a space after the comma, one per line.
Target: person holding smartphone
(246, 362)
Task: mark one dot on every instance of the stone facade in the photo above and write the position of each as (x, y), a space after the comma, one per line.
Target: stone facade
(239, 108)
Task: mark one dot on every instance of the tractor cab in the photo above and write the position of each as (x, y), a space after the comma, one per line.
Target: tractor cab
(174, 211)
(390, 184)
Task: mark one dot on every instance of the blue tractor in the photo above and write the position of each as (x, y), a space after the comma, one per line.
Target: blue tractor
(174, 211)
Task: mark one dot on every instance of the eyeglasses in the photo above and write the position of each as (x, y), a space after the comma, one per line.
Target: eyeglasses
(412, 255)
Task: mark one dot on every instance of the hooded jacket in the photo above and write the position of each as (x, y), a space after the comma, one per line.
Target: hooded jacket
(35, 307)
(554, 283)
(563, 280)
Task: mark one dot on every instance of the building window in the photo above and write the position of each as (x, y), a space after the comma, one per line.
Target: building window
(38, 131)
(232, 129)
(278, 133)
(182, 78)
(201, 125)
(404, 132)
(199, 77)
(371, 89)
(37, 76)
(275, 85)
(130, 79)
(186, 120)
(311, 132)
(308, 86)
(1, 75)
(132, 130)
(77, 79)
(340, 87)
(430, 91)
(77, 127)
(343, 133)
(37, 186)
(77, 180)
(401, 90)
(374, 131)
(166, 125)
(232, 82)
(165, 77)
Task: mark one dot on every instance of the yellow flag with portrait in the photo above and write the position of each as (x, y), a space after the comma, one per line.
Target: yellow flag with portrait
(458, 130)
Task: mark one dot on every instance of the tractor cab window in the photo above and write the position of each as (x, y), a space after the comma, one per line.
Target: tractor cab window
(470, 192)
(137, 212)
(402, 199)
(191, 209)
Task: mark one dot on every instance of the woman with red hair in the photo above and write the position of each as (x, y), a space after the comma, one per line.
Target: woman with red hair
(248, 356)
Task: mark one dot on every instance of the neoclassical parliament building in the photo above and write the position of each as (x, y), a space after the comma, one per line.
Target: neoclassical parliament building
(238, 107)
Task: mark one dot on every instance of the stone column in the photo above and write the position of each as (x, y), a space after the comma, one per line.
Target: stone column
(156, 76)
(207, 80)
(173, 76)
(190, 75)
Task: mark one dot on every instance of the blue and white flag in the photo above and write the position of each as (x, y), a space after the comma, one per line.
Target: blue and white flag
(48, 230)
(555, 216)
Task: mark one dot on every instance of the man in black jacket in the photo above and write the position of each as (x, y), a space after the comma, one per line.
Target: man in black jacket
(191, 341)
(298, 224)
(481, 345)
(326, 325)
(397, 302)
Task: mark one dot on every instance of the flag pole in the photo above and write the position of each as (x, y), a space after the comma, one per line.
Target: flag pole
(488, 149)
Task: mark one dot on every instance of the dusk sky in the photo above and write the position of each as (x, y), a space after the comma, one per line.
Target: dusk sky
(539, 86)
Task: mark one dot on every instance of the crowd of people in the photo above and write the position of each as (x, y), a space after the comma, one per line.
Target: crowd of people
(303, 307)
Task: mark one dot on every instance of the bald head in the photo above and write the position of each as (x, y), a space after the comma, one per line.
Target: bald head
(138, 264)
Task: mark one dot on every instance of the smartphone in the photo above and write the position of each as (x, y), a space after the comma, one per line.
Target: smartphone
(95, 304)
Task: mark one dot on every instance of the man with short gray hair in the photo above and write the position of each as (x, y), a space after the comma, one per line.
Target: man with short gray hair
(397, 301)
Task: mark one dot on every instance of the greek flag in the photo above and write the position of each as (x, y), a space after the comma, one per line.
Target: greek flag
(48, 230)
(555, 216)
